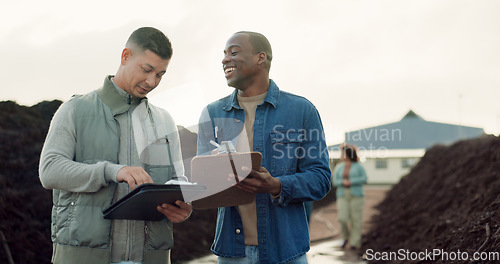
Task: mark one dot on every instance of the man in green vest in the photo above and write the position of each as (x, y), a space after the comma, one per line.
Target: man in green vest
(102, 145)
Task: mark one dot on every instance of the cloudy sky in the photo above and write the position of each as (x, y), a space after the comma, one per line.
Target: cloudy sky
(362, 63)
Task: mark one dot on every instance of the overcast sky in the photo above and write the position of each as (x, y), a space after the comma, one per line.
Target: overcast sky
(361, 63)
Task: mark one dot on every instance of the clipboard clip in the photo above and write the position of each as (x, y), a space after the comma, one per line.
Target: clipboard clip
(227, 147)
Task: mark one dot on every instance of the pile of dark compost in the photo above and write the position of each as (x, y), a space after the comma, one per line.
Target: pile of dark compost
(450, 201)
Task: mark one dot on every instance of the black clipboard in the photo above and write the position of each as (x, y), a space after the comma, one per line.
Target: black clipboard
(141, 203)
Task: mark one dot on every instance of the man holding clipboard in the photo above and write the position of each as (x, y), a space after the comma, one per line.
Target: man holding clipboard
(287, 132)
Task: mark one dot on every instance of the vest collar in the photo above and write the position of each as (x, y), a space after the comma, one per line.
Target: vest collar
(113, 99)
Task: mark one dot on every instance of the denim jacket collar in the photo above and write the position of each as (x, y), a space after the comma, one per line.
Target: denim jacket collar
(272, 97)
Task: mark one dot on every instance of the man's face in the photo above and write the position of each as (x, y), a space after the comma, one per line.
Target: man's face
(240, 61)
(143, 71)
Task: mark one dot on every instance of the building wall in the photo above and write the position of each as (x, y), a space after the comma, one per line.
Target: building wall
(390, 174)
(387, 168)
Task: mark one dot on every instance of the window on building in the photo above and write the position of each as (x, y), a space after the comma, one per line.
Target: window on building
(381, 163)
(408, 163)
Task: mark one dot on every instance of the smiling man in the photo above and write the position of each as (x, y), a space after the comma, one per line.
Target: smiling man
(92, 157)
(287, 130)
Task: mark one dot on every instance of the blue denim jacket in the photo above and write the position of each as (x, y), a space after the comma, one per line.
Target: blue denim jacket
(289, 134)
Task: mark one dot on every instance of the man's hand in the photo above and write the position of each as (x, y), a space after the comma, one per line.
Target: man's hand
(258, 181)
(134, 176)
(176, 214)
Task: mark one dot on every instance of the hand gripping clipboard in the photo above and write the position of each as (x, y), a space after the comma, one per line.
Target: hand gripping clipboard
(212, 171)
(141, 203)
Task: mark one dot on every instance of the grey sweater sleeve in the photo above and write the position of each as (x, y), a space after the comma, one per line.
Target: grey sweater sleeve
(57, 167)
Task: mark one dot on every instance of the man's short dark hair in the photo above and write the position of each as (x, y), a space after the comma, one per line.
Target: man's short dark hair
(149, 38)
(260, 44)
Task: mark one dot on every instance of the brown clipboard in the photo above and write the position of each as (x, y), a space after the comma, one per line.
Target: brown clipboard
(212, 172)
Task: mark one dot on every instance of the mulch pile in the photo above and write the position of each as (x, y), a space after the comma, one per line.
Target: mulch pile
(450, 201)
(24, 204)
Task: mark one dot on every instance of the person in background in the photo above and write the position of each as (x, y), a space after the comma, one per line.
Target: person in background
(96, 151)
(349, 178)
(287, 130)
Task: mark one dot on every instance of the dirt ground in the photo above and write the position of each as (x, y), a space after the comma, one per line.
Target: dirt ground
(325, 232)
(324, 225)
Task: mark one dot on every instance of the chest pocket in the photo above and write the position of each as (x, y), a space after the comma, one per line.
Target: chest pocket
(286, 151)
(157, 159)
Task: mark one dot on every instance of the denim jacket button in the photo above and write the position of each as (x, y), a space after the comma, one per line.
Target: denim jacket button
(238, 231)
(237, 120)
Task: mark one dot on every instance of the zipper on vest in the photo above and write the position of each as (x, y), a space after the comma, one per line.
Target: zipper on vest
(146, 238)
(128, 242)
(111, 235)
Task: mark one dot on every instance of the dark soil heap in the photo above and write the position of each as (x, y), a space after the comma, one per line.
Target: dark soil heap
(25, 206)
(450, 201)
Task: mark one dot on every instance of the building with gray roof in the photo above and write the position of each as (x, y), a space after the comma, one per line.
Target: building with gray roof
(389, 151)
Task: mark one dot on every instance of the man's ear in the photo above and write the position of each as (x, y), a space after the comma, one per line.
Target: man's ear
(262, 58)
(126, 54)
